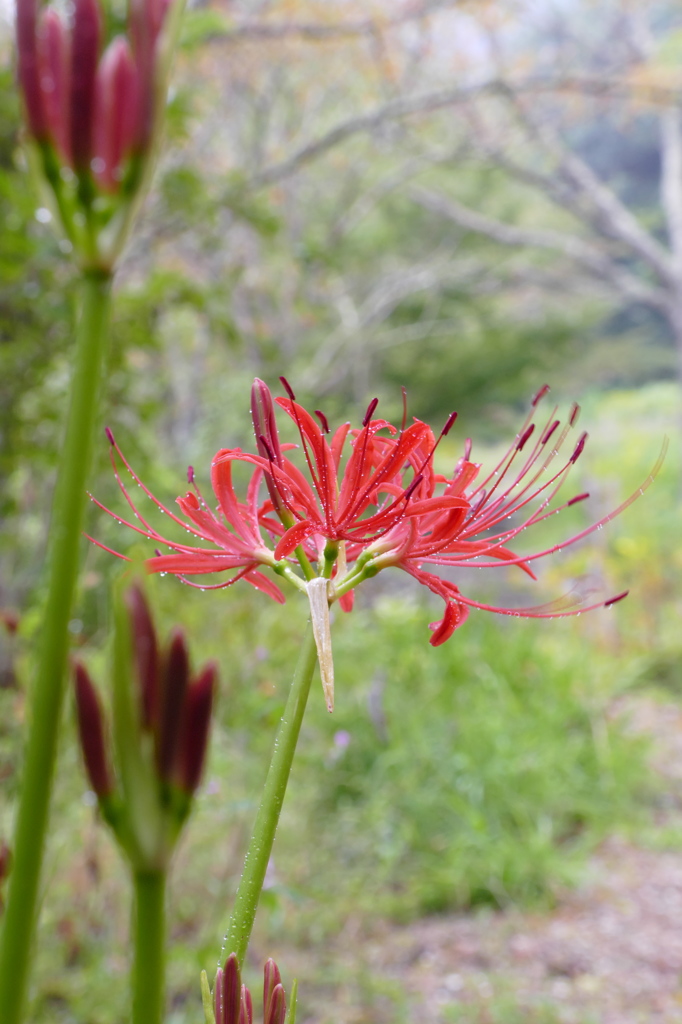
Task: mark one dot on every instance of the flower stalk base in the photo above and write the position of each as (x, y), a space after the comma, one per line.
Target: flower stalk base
(262, 839)
(47, 695)
(149, 926)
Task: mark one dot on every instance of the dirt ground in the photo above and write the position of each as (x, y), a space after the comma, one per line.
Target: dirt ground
(610, 953)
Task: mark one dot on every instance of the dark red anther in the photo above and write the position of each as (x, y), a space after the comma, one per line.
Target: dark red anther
(578, 448)
(271, 979)
(145, 652)
(323, 421)
(573, 414)
(288, 388)
(449, 424)
(549, 431)
(616, 599)
(578, 497)
(110, 436)
(91, 733)
(370, 411)
(174, 682)
(521, 443)
(232, 991)
(190, 474)
(157, 552)
(540, 395)
(195, 727)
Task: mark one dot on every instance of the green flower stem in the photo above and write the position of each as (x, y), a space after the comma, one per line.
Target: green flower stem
(149, 926)
(260, 846)
(47, 694)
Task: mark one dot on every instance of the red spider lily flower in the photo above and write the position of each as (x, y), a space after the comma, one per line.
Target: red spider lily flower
(232, 530)
(384, 507)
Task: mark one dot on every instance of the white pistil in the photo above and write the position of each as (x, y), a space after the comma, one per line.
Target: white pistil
(319, 614)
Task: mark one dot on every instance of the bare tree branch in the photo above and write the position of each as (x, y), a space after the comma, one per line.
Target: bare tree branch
(671, 182)
(410, 106)
(589, 256)
(610, 216)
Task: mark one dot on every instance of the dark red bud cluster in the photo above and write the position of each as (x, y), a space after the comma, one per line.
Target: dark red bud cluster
(232, 1001)
(174, 706)
(95, 108)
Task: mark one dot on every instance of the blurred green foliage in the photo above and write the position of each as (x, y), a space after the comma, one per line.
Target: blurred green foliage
(470, 776)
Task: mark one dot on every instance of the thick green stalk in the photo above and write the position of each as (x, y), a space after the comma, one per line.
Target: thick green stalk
(260, 845)
(149, 926)
(47, 694)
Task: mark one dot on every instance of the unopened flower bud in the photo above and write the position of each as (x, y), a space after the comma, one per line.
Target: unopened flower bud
(228, 992)
(174, 680)
(145, 652)
(29, 72)
(246, 1008)
(85, 44)
(267, 438)
(278, 1007)
(91, 733)
(195, 726)
(116, 100)
(271, 979)
(54, 68)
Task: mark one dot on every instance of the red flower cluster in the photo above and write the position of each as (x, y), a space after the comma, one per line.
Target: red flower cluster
(385, 506)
